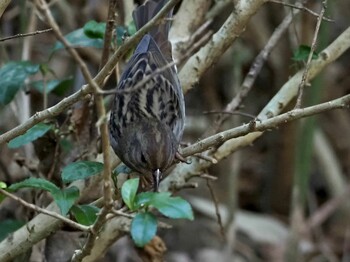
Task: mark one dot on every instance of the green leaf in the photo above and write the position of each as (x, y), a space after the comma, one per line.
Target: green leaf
(131, 28)
(81, 170)
(144, 199)
(302, 53)
(8, 226)
(63, 198)
(173, 207)
(85, 214)
(59, 87)
(66, 198)
(32, 134)
(12, 77)
(121, 31)
(3, 185)
(129, 190)
(143, 228)
(122, 169)
(33, 182)
(95, 30)
(79, 39)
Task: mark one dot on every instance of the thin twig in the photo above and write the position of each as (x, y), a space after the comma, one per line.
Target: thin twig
(101, 112)
(26, 34)
(254, 71)
(87, 89)
(44, 211)
(208, 177)
(121, 213)
(217, 212)
(206, 158)
(302, 8)
(158, 71)
(231, 113)
(109, 31)
(326, 210)
(263, 125)
(308, 63)
(132, 41)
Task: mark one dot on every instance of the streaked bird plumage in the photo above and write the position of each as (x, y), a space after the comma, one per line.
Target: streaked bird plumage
(147, 123)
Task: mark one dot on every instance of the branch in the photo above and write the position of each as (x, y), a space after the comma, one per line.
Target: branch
(26, 34)
(110, 24)
(44, 211)
(40, 227)
(208, 55)
(268, 124)
(3, 5)
(312, 51)
(87, 89)
(276, 105)
(254, 70)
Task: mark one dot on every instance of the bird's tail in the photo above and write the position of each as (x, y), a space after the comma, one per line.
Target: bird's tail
(160, 32)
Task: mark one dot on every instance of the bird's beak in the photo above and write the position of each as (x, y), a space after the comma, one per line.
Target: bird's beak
(157, 175)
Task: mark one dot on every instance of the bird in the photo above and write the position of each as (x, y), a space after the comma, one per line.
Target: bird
(147, 123)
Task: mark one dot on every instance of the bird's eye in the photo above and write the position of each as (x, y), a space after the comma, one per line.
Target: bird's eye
(143, 159)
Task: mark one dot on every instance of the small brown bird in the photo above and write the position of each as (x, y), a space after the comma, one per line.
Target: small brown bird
(147, 123)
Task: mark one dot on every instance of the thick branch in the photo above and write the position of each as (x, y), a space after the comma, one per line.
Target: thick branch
(220, 41)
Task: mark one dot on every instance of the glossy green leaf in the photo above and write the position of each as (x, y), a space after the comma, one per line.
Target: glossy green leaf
(33, 182)
(143, 228)
(173, 207)
(85, 214)
(12, 77)
(32, 134)
(144, 199)
(94, 29)
(302, 53)
(58, 87)
(81, 170)
(129, 190)
(122, 169)
(121, 31)
(79, 39)
(66, 198)
(8, 226)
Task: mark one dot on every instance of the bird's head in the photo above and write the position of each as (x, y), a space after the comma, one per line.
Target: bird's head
(149, 147)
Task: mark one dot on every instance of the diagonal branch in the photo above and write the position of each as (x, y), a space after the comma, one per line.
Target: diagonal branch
(87, 89)
(264, 125)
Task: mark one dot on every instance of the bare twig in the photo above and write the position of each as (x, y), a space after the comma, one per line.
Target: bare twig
(301, 7)
(217, 212)
(326, 210)
(26, 34)
(206, 158)
(121, 213)
(219, 43)
(44, 211)
(308, 63)
(158, 71)
(87, 89)
(264, 125)
(231, 113)
(109, 31)
(254, 71)
(107, 185)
